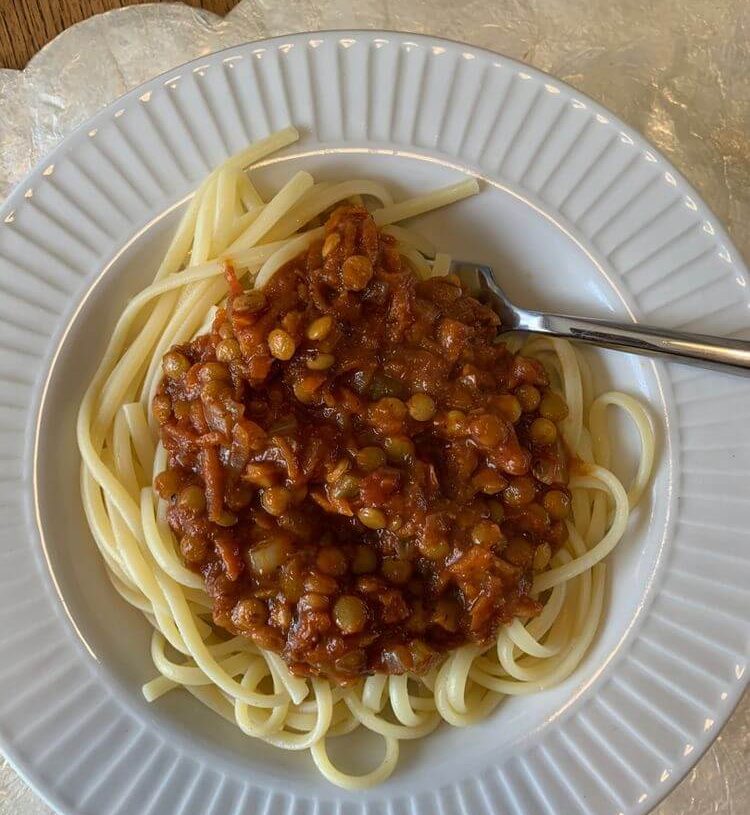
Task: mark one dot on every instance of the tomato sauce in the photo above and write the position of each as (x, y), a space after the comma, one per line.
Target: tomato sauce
(362, 473)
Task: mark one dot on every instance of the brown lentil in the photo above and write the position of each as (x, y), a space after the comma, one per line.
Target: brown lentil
(399, 448)
(275, 500)
(331, 561)
(319, 329)
(372, 518)
(192, 498)
(486, 533)
(553, 407)
(227, 350)
(175, 365)
(487, 430)
(543, 431)
(350, 614)
(347, 486)
(213, 372)
(519, 492)
(280, 344)
(557, 504)
(320, 362)
(370, 458)
(421, 407)
(528, 397)
(508, 406)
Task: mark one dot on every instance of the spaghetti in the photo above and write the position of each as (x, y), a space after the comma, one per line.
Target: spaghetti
(251, 685)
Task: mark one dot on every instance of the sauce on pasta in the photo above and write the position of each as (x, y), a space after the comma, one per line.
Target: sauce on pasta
(361, 479)
(362, 474)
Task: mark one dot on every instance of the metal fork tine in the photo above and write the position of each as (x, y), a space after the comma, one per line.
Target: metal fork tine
(480, 282)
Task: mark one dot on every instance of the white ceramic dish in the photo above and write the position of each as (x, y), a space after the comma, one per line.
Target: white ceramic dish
(577, 213)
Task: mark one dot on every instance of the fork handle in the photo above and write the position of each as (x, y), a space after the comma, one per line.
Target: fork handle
(718, 353)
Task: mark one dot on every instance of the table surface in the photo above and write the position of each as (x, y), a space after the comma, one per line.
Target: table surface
(684, 83)
(28, 25)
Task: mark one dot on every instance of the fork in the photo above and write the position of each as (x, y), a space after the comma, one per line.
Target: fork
(718, 353)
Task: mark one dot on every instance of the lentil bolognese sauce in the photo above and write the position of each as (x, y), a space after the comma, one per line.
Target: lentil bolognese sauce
(364, 477)
(337, 498)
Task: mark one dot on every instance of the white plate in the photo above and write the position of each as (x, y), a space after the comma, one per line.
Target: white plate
(577, 213)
